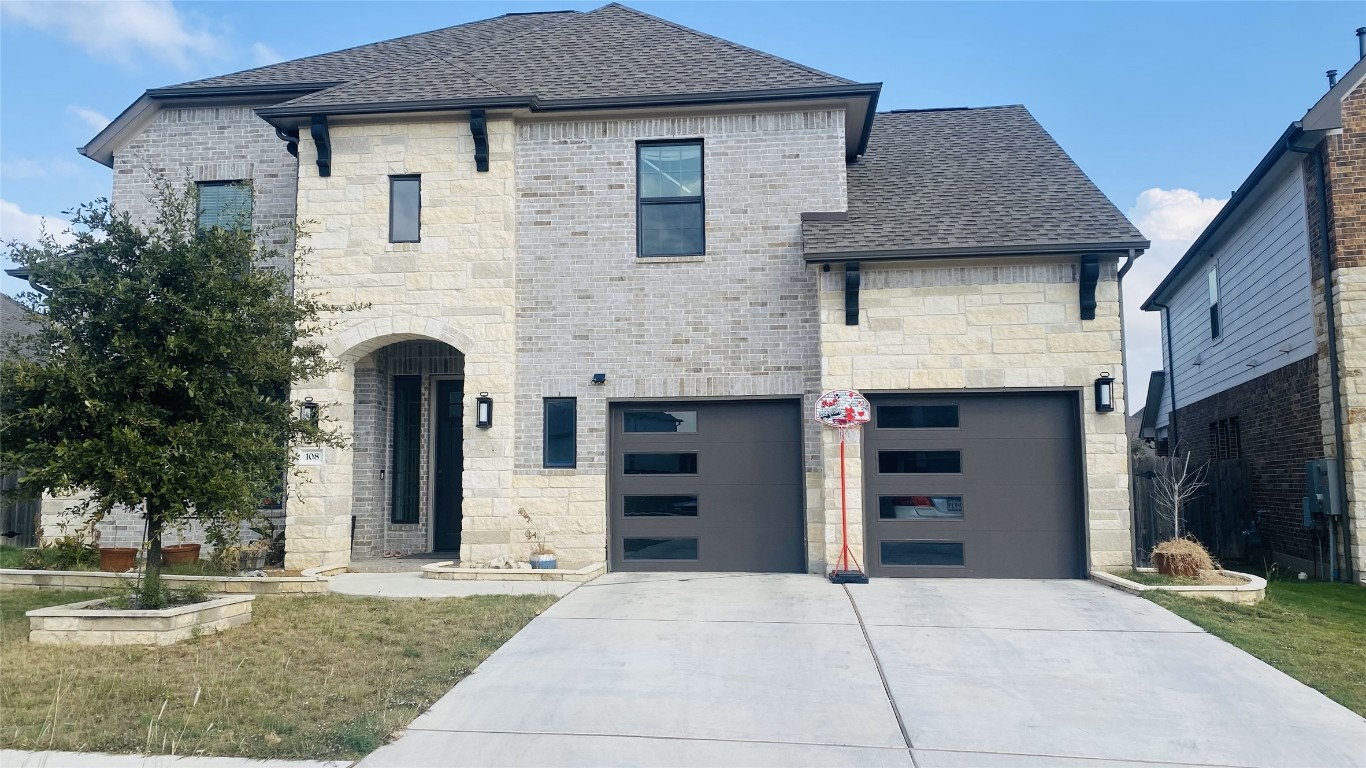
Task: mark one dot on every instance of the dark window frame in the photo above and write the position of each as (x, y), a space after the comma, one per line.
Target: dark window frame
(405, 480)
(200, 186)
(405, 177)
(573, 433)
(700, 198)
(1216, 318)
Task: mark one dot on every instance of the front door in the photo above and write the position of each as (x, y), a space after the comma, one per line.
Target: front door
(447, 465)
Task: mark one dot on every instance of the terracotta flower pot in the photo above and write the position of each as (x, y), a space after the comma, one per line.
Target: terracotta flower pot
(118, 559)
(180, 554)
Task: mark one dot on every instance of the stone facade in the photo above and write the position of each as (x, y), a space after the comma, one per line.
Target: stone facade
(940, 326)
(739, 321)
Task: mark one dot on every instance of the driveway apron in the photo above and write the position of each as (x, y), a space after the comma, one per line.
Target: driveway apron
(788, 670)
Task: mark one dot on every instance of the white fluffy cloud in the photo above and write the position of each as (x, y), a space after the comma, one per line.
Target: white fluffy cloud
(122, 31)
(16, 224)
(1171, 219)
(92, 118)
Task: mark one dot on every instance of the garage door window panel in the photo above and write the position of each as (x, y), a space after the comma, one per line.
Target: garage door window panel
(917, 417)
(922, 553)
(681, 463)
(660, 422)
(920, 507)
(660, 506)
(681, 548)
(919, 462)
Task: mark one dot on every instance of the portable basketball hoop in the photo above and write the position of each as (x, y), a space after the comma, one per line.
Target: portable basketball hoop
(844, 409)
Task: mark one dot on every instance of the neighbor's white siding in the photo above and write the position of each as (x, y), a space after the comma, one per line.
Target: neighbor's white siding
(1264, 299)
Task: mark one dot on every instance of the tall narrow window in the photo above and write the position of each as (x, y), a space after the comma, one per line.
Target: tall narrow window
(669, 199)
(405, 209)
(1216, 327)
(560, 424)
(225, 204)
(407, 447)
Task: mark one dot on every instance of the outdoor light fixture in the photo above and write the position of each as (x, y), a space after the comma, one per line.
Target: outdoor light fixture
(1105, 393)
(483, 411)
(309, 410)
(599, 378)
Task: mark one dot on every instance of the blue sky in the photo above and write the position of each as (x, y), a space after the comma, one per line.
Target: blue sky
(1166, 105)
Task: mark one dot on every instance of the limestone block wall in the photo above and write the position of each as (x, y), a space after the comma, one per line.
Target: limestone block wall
(932, 326)
(739, 321)
(455, 286)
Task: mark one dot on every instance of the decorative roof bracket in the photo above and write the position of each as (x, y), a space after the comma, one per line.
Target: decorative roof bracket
(323, 141)
(291, 140)
(1086, 285)
(480, 131)
(851, 286)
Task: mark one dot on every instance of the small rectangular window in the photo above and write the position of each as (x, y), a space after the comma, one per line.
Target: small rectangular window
(920, 507)
(660, 463)
(1216, 328)
(939, 553)
(225, 204)
(405, 209)
(659, 506)
(659, 549)
(660, 421)
(917, 416)
(1223, 439)
(407, 448)
(919, 462)
(561, 423)
(669, 199)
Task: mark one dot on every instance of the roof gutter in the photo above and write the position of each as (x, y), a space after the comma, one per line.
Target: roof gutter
(1128, 248)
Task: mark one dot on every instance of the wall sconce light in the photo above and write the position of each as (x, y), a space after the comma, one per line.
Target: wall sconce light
(309, 410)
(1105, 393)
(483, 411)
(599, 378)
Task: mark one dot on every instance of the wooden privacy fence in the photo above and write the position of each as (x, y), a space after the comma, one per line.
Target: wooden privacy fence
(1217, 516)
(19, 521)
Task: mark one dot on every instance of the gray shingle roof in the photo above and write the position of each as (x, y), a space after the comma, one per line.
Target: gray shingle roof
(365, 60)
(989, 178)
(613, 51)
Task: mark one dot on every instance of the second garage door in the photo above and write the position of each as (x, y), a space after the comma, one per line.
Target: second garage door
(707, 486)
(984, 486)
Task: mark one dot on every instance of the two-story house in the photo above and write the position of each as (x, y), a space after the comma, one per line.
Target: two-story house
(609, 263)
(1263, 359)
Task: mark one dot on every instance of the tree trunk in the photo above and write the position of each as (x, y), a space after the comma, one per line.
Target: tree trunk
(151, 580)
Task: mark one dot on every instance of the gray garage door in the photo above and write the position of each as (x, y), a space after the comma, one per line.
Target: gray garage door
(707, 486)
(984, 486)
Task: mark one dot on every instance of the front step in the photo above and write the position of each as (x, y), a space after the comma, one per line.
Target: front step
(405, 564)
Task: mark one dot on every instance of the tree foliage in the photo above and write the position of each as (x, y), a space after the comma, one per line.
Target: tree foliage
(162, 368)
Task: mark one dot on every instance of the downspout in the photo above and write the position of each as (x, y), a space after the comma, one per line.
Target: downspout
(1128, 449)
(1326, 266)
(1170, 364)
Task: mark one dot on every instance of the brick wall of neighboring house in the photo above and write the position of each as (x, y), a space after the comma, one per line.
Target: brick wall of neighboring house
(739, 321)
(1277, 431)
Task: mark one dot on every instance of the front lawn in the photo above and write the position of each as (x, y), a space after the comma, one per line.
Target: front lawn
(11, 557)
(317, 677)
(1312, 631)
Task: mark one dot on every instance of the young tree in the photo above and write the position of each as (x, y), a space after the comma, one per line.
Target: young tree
(161, 379)
(1175, 484)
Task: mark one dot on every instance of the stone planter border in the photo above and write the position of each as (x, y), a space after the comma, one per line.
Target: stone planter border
(448, 571)
(77, 624)
(1251, 593)
(310, 583)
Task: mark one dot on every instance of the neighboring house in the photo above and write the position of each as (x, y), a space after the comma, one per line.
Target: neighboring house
(18, 517)
(1258, 370)
(606, 287)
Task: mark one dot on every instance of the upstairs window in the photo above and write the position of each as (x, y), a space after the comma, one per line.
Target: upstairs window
(405, 209)
(225, 204)
(669, 198)
(1216, 322)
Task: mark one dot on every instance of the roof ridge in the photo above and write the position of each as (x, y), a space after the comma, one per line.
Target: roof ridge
(953, 109)
(573, 16)
(723, 41)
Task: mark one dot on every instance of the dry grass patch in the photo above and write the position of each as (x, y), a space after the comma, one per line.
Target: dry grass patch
(318, 677)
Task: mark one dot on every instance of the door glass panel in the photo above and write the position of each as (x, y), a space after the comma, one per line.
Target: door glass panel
(659, 549)
(920, 507)
(660, 506)
(922, 553)
(407, 436)
(660, 463)
(660, 421)
(918, 462)
(917, 416)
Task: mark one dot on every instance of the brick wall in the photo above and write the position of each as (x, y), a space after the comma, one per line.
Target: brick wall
(1278, 430)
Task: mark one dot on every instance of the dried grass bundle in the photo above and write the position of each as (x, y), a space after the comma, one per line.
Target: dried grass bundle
(1183, 557)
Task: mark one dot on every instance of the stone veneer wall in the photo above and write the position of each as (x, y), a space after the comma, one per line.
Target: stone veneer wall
(183, 145)
(739, 321)
(926, 327)
(455, 286)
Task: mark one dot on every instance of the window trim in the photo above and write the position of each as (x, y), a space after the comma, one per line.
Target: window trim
(245, 184)
(700, 198)
(1216, 314)
(545, 433)
(405, 177)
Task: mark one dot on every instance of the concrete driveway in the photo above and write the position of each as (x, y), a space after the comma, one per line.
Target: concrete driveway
(789, 670)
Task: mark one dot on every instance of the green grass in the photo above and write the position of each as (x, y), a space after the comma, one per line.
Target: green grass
(11, 557)
(1312, 631)
(319, 677)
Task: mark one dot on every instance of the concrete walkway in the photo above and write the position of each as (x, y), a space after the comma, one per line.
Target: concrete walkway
(412, 585)
(720, 669)
(12, 758)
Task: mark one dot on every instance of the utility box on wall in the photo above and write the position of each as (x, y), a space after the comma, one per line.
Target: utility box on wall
(1322, 497)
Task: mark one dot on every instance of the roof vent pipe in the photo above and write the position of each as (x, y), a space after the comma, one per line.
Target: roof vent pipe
(1332, 77)
(1361, 42)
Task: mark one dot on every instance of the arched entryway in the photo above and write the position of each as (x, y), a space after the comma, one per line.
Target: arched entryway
(408, 449)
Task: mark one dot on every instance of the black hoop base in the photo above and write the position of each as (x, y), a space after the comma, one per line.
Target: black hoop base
(848, 577)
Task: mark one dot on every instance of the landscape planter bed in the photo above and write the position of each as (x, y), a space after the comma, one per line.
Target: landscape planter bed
(84, 623)
(312, 582)
(449, 571)
(1251, 592)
